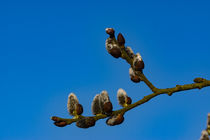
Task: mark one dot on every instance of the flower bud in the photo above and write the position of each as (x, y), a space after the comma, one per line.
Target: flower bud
(129, 51)
(128, 100)
(115, 52)
(110, 32)
(72, 102)
(95, 107)
(104, 99)
(115, 120)
(122, 98)
(120, 39)
(86, 122)
(108, 107)
(113, 48)
(138, 63)
(79, 109)
(121, 94)
(60, 123)
(134, 77)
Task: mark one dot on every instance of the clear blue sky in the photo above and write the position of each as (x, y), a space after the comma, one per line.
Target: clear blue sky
(51, 48)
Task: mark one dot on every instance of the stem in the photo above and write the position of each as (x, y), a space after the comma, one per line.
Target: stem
(145, 99)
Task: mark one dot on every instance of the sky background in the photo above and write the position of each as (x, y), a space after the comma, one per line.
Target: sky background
(51, 48)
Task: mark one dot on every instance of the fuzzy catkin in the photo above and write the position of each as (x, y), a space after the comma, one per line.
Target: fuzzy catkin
(71, 104)
(95, 107)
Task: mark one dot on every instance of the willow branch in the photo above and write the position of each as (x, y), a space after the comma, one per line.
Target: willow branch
(145, 99)
(199, 83)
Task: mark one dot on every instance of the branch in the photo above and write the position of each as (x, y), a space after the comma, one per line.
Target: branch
(117, 49)
(145, 99)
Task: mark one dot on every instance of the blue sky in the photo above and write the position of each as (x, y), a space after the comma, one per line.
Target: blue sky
(51, 48)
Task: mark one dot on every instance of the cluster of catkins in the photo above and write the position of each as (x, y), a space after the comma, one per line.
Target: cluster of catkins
(116, 48)
(101, 104)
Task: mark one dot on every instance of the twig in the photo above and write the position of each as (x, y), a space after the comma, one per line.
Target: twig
(199, 83)
(145, 99)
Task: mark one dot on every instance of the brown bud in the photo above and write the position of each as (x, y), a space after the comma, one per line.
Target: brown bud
(60, 123)
(128, 100)
(119, 119)
(79, 109)
(139, 65)
(113, 47)
(110, 31)
(86, 122)
(108, 107)
(115, 120)
(135, 79)
(104, 98)
(133, 76)
(120, 39)
(115, 52)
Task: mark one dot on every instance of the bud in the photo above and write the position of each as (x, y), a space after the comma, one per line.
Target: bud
(113, 48)
(129, 51)
(86, 122)
(115, 52)
(122, 98)
(95, 107)
(105, 103)
(108, 107)
(115, 120)
(121, 94)
(204, 135)
(134, 77)
(72, 102)
(110, 32)
(79, 109)
(60, 123)
(73, 105)
(128, 100)
(120, 39)
(138, 63)
(104, 97)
